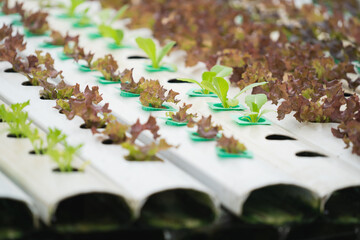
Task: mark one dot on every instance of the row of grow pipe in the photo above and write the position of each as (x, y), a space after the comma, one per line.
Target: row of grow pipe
(18, 213)
(148, 188)
(327, 167)
(312, 180)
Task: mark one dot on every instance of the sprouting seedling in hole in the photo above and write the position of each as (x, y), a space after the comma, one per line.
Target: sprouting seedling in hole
(255, 103)
(105, 28)
(16, 118)
(220, 87)
(149, 47)
(215, 71)
(72, 7)
(64, 157)
(116, 34)
(106, 17)
(84, 19)
(230, 145)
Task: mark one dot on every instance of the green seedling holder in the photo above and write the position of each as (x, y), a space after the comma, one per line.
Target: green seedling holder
(128, 94)
(150, 68)
(198, 93)
(244, 121)
(29, 34)
(66, 16)
(17, 23)
(94, 36)
(79, 25)
(195, 137)
(102, 80)
(48, 45)
(245, 154)
(85, 68)
(170, 122)
(63, 56)
(114, 46)
(219, 107)
(153, 109)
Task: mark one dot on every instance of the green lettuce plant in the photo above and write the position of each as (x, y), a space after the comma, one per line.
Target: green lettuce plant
(215, 71)
(116, 34)
(64, 157)
(255, 103)
(149, 47)
(16, 118)
(72, 7)
(220, 87)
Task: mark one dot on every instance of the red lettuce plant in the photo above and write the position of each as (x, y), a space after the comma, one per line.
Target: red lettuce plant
(154, 95)
(108, 67)
(205, 127)
(182, 115)
(144, 152)
(230, 145)
(36, 22)
(128, 84)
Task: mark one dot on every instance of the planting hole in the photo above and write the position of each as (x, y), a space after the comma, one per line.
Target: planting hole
(43, 98)
(280, 204)
(91, 212)
(83, 126)
(61, 111)
(347, 94)
(107, 142)
(1, 120)
(57, 170)
(27, 83)
(343, 206)
(309, 154)
(10, 70)
(41, 152)
(279, 137)
(174, 80)
(178, 209)
(137, 57)
(12, 135)
(16, 219)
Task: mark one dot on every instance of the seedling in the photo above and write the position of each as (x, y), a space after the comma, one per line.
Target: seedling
(84, 19)
(255, 102)
(64, 157)
(154, 95)
(182, 116)
(108, 67)
(149, 47)
(59, 91)
(215, 71)
(107, 19)
(220, 87)
(72, 7)
(16, 119)
(36, 140)
(144, 152)
(230, 145)
(128, 84)
(205, 128)
(116, 131)
(36, 23)
(116, 34)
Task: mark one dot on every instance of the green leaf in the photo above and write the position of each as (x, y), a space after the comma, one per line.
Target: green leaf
(73, 5)
(249, 87)
(148, 46)
(190, 80)
(119, 13)
(164, 51)
(221, 71)
(208, 76)
(222, 87)
(265, 111)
